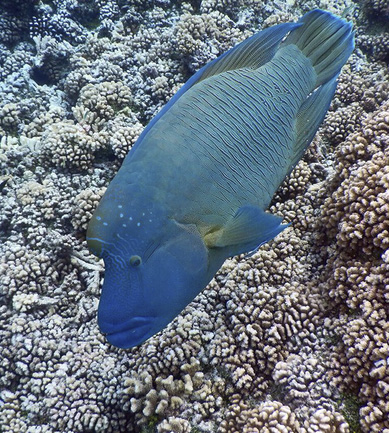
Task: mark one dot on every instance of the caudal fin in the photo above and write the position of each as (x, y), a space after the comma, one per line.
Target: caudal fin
(326, 40)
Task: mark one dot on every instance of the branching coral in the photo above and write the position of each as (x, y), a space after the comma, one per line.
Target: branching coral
(85, 203)
(269, 416)
(124, 133)
(66, 144)
(356, 216)
(359, 206)
(376, 46)
(203, 37)
(105, 99)
(253, 352)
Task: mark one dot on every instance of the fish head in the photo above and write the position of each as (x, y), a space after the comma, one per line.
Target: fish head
(154, 266)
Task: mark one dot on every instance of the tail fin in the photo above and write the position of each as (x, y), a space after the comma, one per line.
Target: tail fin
(326, 40)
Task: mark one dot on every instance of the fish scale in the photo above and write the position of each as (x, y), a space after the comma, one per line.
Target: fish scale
(223, 140)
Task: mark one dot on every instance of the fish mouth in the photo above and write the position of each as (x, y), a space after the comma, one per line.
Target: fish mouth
(130, 333)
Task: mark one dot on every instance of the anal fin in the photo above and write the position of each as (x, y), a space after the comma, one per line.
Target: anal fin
(310, 116)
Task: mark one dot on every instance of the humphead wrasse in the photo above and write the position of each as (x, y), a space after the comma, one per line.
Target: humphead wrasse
(194, 188)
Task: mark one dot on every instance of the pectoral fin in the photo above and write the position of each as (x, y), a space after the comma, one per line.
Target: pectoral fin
(246, 231)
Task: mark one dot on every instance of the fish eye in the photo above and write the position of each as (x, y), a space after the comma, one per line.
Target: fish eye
(135, 261)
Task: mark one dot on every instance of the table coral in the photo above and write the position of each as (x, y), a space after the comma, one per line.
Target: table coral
(291, 339)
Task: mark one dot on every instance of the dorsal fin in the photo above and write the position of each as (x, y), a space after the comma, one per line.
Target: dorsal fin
(251, 53)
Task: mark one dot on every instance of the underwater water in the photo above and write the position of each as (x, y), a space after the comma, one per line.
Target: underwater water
(294, 337)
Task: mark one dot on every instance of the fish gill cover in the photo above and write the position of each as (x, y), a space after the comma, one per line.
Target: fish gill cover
(294, 337)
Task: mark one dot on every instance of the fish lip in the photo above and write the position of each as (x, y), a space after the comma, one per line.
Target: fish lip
(135, 323)
(130, 333)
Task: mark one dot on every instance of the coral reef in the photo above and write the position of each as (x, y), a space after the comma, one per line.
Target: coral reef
(291, 339)
(356, 217)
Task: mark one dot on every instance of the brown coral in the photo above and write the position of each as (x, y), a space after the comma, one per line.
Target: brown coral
(105, 99)
(67, 144)
(250, 353)
(380, 7)
(269, 416)
(355, 216)
(205, 36)
(85, 204)
(358, 209)
(376, 46)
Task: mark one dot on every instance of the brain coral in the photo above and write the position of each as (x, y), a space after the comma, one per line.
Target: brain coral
(291, 339)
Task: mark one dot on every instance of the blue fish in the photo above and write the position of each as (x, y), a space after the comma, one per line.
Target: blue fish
(194, 188)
